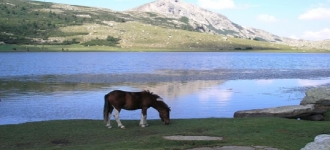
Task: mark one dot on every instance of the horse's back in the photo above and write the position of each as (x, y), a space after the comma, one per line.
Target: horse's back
(125, 99)
(115, 96)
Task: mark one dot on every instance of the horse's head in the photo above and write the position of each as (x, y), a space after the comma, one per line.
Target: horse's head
(164, 113)
(161, 107)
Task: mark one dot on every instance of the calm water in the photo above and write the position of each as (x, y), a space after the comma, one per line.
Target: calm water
(52, 86)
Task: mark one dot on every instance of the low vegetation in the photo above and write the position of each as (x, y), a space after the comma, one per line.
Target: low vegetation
(92, 134)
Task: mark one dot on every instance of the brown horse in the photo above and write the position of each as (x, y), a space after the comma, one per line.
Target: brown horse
(132, 101)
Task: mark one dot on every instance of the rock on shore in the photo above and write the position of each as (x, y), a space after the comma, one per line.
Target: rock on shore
(321, 142)
(313, 107)
(294, 112)
(319, 96)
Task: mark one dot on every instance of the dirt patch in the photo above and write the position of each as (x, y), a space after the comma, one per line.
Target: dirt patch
(60, 142)
(192, 138)
(236, 148)
(211, 138)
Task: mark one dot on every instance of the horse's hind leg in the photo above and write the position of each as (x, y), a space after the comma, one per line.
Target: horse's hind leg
(108, 123)
(116, 115)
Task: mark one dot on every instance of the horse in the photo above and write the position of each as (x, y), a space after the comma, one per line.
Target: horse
(117, 100)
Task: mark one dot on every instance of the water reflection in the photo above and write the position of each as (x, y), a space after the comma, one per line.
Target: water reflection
(172, 90)
(303, 82)
(264, 82)
(34, 101)
(217, 94)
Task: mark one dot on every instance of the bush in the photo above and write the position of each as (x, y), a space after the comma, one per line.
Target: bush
(110, 41)
(327, 116)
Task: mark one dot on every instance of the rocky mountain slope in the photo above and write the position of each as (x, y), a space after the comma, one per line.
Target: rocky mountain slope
(211, 22)
(205, 20)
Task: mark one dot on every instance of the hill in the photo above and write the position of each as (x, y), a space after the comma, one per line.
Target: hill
(26, 22)
(204, 20)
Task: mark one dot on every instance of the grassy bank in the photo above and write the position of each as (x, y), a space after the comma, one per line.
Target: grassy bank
(92, 134)
(81, 48)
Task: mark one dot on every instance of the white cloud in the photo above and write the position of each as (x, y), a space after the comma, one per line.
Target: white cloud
(294, 37)
(216, 4)
(317, 35)
(266, 18)
(316, 14)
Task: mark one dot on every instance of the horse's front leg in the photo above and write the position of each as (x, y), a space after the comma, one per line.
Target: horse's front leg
(116, 115)
(143, 121)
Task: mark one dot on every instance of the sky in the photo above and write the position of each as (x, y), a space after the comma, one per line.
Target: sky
(298, 19)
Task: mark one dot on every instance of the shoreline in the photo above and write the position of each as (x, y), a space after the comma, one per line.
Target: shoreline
(81, 48)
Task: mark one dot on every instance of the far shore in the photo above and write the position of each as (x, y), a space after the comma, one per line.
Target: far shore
(81, 48)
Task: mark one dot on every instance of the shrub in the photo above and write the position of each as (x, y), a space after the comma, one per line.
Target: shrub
(110, 41)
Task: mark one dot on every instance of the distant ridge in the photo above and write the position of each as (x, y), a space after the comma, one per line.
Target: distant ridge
(205, 20)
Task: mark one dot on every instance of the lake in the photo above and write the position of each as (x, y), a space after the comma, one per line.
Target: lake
(43, 86)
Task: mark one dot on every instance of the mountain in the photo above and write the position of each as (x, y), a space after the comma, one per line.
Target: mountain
(162, 25)
(205, 20)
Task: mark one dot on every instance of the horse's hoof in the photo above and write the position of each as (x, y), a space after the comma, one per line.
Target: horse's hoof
(109, 127)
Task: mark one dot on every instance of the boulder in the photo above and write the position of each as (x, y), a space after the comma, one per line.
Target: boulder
(320, 96)
(320, 142)
(317, 117)
(292, 112)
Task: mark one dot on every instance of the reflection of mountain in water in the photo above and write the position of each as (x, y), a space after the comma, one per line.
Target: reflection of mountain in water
(23, 87)
(176, 89)
(172, 89)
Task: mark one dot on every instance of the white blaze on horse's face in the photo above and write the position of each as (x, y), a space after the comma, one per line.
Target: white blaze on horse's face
(159, 99)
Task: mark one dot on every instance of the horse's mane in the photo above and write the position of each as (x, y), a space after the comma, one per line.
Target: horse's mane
(164, 105)
(159, 102)
(147, 91)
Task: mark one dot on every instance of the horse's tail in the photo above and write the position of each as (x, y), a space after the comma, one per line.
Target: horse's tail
(106, 109)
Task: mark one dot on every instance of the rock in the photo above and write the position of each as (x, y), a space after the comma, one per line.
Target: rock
(294, 111)
(321, 142)
(319, 96)
(317, 117)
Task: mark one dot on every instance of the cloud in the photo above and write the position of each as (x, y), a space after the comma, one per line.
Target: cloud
(216, 4)
(266, 18)
(294, 37)
(316, 14)
(317, 35)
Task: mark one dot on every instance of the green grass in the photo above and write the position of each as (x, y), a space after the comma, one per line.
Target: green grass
(92, 134)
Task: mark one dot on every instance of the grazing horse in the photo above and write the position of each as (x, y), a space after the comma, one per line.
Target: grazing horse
(132, 101)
